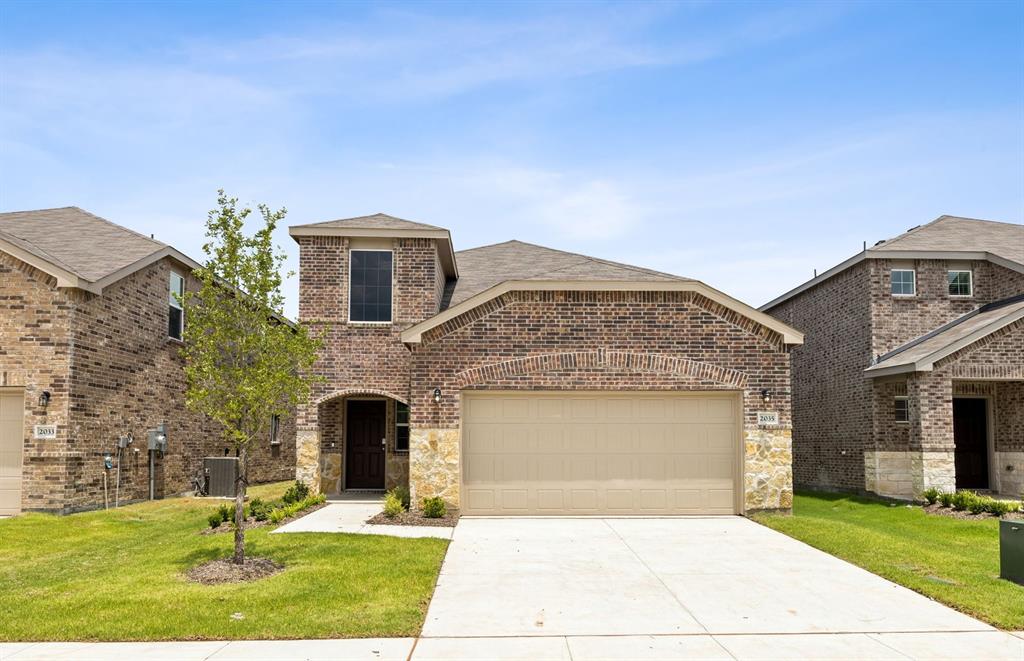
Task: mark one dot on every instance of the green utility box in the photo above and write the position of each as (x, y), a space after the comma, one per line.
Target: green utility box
(1011, 550)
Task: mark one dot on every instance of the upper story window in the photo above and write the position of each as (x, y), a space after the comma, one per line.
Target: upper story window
(960, 283)
(401, 427)
(175, 313)
(903, 282)
(369, 289)
(275, 429)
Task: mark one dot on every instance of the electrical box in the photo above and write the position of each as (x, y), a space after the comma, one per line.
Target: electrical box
(108, 461)
(157, 439)
(1011, 550)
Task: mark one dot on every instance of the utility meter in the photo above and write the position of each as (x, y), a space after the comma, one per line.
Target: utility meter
(158, 438)
(108, 461)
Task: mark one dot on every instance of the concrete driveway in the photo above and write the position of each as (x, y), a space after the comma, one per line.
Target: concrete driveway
(721, 587)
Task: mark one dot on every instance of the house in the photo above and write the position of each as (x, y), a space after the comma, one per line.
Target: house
(912, 375)
(89, 354)
(517, 379)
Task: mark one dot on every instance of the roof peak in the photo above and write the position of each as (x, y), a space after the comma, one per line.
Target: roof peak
(378, 220)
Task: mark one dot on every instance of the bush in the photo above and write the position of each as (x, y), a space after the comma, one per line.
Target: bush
(963, 499)
(931, 496)
(227, 512)
(402, 493)
(214, 519)
(259, 509)
(434, 508)
(392, 505)
(978, 504)
(277, 516)
(946, 499)
(1001, 507)
(296, 492)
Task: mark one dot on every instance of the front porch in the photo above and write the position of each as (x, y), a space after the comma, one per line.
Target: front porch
(357, 442)
(932, 431)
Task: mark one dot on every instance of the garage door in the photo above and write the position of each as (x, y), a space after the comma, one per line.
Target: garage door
(600, 453)
(11, 432)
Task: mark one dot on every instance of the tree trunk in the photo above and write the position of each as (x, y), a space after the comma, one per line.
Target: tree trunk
(240, 484)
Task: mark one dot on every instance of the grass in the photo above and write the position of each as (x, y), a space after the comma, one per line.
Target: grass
(118, 575)
(954, 561)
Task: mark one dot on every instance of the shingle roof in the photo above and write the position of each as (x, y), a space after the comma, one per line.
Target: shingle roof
(484, 267)
(923, 352)
(375, 221)
(953, 233)
(77, 241)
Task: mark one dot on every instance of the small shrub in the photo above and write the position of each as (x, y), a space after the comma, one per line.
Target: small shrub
(434, 508)
(227, 512)
(277, 516)
(296, 492)
(961, 499)
(978, 504)
(946, 499)
(931, 496)
(214, 519)
(259, 509)
(392, 505)
(1001, 507)
(402, 493)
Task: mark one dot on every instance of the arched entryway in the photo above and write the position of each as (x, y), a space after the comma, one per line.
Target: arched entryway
(364, 441)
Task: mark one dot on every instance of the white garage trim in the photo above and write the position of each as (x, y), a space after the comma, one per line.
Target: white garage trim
(655, 453)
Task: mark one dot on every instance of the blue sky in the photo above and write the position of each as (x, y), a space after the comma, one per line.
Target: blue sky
(744, 144)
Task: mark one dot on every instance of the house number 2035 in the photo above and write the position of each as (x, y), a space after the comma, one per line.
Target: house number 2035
(767, 418)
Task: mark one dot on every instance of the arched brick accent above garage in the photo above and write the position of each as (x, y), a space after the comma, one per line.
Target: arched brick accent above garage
(569, 360)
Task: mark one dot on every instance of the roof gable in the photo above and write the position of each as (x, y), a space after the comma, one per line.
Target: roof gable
(373, 221)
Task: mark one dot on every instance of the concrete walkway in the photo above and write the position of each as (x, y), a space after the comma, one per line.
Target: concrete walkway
(350, 512)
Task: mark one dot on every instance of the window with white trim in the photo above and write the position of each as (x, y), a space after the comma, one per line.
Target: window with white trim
(401, 427)
(175, 313)
(960, 283)
(901, 409)
(903, 282)
(369, 285)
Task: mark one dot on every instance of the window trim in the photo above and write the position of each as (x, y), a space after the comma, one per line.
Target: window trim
(392, 311)
(401, 424)
(275, 429)
(913, 282)
(970, 283)
(895, 414)
(171, 303)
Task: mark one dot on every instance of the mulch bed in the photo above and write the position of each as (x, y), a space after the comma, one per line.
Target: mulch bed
(416, 518)
(939, 510)
(228, 526)
(225, 571)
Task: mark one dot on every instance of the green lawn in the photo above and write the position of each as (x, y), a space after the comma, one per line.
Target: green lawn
(118, 575)
(954, 561)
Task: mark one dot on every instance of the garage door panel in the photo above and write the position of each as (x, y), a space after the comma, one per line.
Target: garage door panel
(591, 453)
(12, 432)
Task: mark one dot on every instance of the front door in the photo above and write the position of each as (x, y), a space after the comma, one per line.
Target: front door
(970, 440)
(364, 443)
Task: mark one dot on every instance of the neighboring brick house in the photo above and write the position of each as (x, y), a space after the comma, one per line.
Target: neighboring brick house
(912, 375)
(517, 379)
(88, 354)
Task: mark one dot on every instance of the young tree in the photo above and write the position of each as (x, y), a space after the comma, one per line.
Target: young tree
(243, 362)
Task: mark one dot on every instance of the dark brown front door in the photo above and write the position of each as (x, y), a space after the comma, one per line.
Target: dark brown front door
(970, 440)
(364, 444)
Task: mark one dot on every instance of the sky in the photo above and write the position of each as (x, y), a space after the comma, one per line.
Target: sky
(743, 144)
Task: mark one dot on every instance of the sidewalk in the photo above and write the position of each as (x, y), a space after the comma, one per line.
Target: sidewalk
(989, 645)
(349, 514)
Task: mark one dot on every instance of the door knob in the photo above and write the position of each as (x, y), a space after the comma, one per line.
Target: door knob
(383, 443)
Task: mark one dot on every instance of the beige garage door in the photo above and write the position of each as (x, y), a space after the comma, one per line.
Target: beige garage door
(600, 453)
(11, 431)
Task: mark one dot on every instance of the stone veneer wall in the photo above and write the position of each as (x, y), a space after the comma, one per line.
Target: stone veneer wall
(111, 369)
(600, 341)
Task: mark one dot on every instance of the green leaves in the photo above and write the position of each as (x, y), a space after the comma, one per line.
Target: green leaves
(244, 362)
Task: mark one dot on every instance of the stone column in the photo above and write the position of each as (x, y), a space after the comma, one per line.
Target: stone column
(768, 467)
(434, 465)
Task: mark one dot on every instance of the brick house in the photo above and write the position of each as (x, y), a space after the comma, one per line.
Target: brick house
(517, 379)
(89, 353)
(912, 375)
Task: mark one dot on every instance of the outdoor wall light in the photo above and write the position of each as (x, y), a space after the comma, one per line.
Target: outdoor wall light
(437, 395)
(44, 398)
(766, 397)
